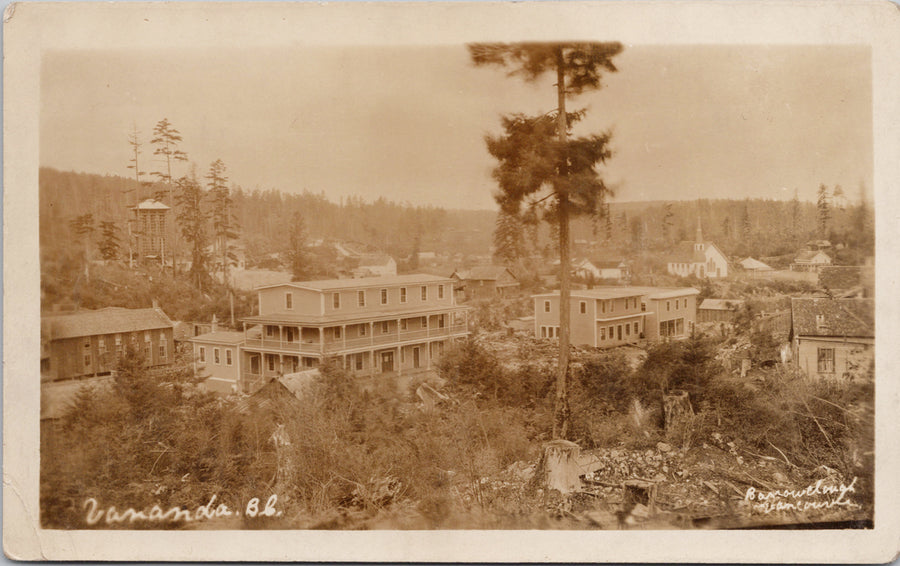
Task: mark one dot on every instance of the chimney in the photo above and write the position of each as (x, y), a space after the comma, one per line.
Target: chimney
(215, 324)
(155, 304)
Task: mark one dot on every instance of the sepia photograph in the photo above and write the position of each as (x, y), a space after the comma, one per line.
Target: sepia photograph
(487, 282)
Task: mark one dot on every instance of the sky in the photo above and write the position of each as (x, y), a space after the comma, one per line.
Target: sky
(408, 123)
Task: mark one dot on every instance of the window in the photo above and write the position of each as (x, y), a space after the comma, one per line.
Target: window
(362, 329)
(826, 360)
(87, 343)
(270, 331)
(202, 354)
(440, 291)
(337, 332)
(162, 351)
(101, 345)
(216, 356)
(643, 306)
(288, 334)
(546, 306)
(441, 321)
(612, 335)
(228, 357)
(679, 327)
(271, 362)
(603, 333)
(336, 300)
(677, 302)
(402, 294)
(424, 293)
(627, 330)
(602, 306)
(361, 298)
(543, 332)
(87, 360)
(636, 329)
(384, 327)
(403, 324)
(384, 297)
(289, 300)
(619, 333)
(583, 307)
(424, 322)
(359, 361)
(118, 343)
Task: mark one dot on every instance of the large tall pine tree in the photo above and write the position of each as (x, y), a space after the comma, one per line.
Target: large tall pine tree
(536, 154)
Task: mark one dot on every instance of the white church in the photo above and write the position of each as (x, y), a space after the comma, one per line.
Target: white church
(700, 258)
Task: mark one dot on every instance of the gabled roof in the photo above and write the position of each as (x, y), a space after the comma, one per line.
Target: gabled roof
(809, 255)
(751, 264)
(833, 317)
(151, 204)
(840, 276)
(335, 284)
(111, 320)
(611, 263)
(684, 252)
(721, 304)
(487, 273)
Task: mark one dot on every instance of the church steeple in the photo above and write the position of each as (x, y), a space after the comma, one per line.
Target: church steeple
(699, 237)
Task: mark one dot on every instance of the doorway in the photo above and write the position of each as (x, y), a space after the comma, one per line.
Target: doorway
(387, 362)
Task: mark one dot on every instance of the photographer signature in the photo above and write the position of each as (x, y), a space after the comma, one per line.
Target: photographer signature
(156, 514)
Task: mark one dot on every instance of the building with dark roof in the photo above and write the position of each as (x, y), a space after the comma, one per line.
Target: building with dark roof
(718, 310)
(833, 338)
(88, 343)
(486, 282)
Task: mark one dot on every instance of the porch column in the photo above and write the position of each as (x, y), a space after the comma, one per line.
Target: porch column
(372, 368)
(281, 364)
(398, 329)
(322, 339)
(281, 336)
(344, 336)
(372, 335)
(427, 328)
(427, 355)
(399, 360)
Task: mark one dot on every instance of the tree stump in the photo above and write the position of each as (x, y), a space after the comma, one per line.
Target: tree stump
(639, 492)
(677, 405)
(560, 470)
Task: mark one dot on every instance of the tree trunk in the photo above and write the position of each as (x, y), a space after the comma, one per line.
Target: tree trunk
(559, 469)
(677, 406)
(561, 409)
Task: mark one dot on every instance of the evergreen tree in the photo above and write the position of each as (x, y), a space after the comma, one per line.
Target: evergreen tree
(668, 223)
(134, 140)
(795, 215)
(224, 225)
(746, 227)
(296, 253)
(192, 218)
(535, 153)
(165, 141)
(508, 238)
(726, 228)
(83, 230)
(109, 242)
(823, 211)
